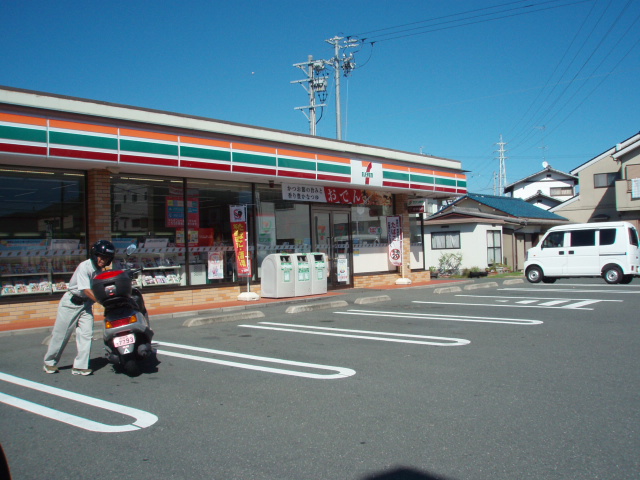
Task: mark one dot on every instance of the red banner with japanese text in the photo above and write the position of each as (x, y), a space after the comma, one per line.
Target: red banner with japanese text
(238, 217)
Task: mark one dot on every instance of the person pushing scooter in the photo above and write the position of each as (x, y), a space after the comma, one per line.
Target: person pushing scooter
(75, 310)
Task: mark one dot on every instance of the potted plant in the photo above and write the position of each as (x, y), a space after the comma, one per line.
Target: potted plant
(434, 272)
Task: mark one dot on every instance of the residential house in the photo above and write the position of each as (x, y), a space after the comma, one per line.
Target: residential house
(486, 230)
(545, 189)
(609, 186)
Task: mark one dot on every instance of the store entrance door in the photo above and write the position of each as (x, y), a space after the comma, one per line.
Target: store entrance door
(332, 236)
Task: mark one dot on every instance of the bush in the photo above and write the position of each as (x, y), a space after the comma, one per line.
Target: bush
(450, 263)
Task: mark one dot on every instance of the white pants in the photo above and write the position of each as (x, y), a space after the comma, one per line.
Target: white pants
(71, 316)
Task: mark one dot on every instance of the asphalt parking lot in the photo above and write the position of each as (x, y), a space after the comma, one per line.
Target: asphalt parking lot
(493, 380)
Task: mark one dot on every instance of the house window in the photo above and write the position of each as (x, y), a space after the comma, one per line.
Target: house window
(445, 240)
(494, 247)
(604, 180)
(561, 191)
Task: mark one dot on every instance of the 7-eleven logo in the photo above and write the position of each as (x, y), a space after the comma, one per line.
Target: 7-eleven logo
(366, 173)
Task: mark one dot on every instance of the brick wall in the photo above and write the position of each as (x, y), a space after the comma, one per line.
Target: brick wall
(99, 205)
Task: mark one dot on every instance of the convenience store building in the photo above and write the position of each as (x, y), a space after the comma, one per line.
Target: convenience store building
(73, 171)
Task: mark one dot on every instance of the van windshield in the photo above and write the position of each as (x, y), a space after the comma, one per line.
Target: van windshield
(553, 240)
(633, 236)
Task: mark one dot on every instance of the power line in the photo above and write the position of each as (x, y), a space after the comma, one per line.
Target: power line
(527, 9)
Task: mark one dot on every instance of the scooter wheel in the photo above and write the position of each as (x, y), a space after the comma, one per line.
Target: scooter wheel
(131, 368)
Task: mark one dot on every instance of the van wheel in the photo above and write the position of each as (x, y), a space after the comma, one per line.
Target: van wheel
(626, 279)
(534, 274)
(612, 274)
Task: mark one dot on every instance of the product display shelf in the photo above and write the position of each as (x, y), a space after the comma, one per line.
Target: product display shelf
(36, 272)
(157, 268)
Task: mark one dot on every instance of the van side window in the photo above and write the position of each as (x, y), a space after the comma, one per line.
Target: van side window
(582, 238)
(607, 236)
(553, 240)
(633, 237)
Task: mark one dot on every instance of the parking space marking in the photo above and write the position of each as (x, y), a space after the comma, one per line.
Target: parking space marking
(551, 303)
(497, 305)
(341, 372)
(553, 288)
(143, 419)
(447, 318)
(571, 303)
(341, 332)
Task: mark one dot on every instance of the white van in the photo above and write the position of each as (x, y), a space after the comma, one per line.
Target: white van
(608, 250)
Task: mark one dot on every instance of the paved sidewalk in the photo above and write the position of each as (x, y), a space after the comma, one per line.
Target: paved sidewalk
(13, 327)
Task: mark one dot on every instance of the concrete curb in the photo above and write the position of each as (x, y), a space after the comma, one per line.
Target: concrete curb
(447, 290)
(196, 322)
(366, 300)
(513, 281)
(317, 306)
(476, 286)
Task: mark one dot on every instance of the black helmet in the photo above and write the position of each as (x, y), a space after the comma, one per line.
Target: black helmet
(105, 249)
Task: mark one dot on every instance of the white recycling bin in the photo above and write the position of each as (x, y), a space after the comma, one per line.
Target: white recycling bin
(319, 271)
(277, 279)
(302, 274)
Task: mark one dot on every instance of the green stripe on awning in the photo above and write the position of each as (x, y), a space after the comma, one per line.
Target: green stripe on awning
(334, 168)
(205, 153)
(446, 181)
(387, 175)
(23, 134)
(148, 147)
(422, 178)
(253, 159)
(79, 140)
(297, 164)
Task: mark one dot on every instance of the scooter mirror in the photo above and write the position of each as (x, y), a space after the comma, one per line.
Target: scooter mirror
(131, 249)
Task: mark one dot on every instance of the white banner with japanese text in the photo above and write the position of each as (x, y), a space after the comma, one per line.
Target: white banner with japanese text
(394, 236)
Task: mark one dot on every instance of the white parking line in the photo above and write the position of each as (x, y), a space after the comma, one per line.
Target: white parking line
(341, 372)
(572, 303)
(143, 419)
(447, 318)
(551, 303)
(496, 305)
(604, 289)
(341, 332)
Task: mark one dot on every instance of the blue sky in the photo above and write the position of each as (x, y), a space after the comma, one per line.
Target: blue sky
(558, 79)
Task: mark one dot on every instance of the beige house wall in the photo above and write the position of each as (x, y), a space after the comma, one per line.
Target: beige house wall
(592, 201)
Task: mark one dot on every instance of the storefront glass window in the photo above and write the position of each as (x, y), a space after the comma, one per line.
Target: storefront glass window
(149, 212)
(417, 247)
(42, 229)
(369, 227)
(282, 225)
(211, 249)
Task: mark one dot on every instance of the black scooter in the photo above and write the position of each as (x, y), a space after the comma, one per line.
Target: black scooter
(127, 334)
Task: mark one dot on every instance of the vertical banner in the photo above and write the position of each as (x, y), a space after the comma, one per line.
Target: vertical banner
(238, 217)
(394, 236)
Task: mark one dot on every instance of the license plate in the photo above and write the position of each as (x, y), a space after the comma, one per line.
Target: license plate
(124, 340)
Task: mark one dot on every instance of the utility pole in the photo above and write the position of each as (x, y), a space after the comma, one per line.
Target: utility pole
(317, 80)
(502, 175)
(346, 64)
(316, 83)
